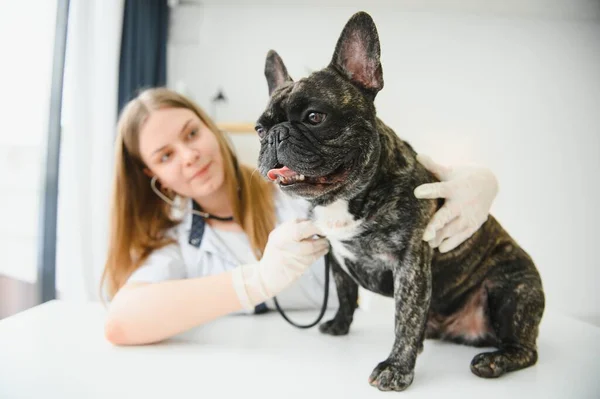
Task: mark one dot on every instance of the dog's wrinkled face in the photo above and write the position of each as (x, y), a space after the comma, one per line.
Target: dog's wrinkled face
(318, 135)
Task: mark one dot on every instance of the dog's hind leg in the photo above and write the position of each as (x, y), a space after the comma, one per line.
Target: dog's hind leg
(516, 304)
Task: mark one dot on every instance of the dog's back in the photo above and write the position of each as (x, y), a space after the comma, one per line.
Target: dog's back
(462, 277)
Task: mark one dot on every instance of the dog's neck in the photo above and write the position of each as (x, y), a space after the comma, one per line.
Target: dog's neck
(390, 151)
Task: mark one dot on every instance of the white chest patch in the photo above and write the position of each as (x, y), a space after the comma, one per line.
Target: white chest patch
(337, 224)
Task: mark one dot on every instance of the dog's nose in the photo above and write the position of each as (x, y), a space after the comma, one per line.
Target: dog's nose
(281, 133)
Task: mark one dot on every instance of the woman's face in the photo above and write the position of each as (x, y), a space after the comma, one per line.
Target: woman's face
(182, 152)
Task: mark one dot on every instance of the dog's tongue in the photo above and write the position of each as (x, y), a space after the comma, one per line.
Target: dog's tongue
(284, 172)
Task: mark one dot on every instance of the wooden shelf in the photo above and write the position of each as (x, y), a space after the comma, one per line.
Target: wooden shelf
(237, 127)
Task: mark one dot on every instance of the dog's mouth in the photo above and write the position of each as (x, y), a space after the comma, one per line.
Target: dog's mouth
(287, 177)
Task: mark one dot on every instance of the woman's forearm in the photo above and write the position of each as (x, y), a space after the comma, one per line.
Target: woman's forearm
(149, 313)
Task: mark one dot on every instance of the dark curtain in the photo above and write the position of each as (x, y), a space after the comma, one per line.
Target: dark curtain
(143, 61)
(46, 266)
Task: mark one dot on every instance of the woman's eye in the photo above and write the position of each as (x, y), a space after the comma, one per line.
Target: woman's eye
(165, 157)
(314, 118)
(193, 134)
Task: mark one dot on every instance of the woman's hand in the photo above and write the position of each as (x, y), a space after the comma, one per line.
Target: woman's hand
(469, 192)
(291, 249)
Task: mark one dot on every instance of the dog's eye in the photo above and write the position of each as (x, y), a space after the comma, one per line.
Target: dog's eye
(260, 130)
(314, 118)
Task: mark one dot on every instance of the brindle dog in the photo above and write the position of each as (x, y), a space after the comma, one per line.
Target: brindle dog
(321, 140)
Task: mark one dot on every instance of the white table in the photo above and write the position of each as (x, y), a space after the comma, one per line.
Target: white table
(57, 350)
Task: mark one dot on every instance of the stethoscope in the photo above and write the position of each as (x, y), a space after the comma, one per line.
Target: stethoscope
(207, 215)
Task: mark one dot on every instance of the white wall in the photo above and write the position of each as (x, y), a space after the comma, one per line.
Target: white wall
(516, 91)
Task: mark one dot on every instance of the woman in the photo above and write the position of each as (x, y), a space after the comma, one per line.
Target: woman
(232, 241)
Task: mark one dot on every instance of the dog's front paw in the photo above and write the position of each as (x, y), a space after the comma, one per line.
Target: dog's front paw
(389, 377)
(335, 327)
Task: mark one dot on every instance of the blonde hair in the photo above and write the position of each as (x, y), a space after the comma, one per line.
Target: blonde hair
(139, 218)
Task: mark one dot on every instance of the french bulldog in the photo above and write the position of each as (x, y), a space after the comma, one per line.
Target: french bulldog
(321, 140)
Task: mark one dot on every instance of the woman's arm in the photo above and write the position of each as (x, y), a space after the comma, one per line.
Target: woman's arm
(142, 313)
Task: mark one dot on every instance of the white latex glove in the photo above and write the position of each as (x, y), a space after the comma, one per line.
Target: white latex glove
(469, 192)
(290, 250)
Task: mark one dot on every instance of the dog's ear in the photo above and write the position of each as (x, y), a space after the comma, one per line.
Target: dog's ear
(357, 53)
(275, 71)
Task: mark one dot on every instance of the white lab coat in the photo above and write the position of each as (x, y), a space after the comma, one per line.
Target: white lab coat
(182, 260)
